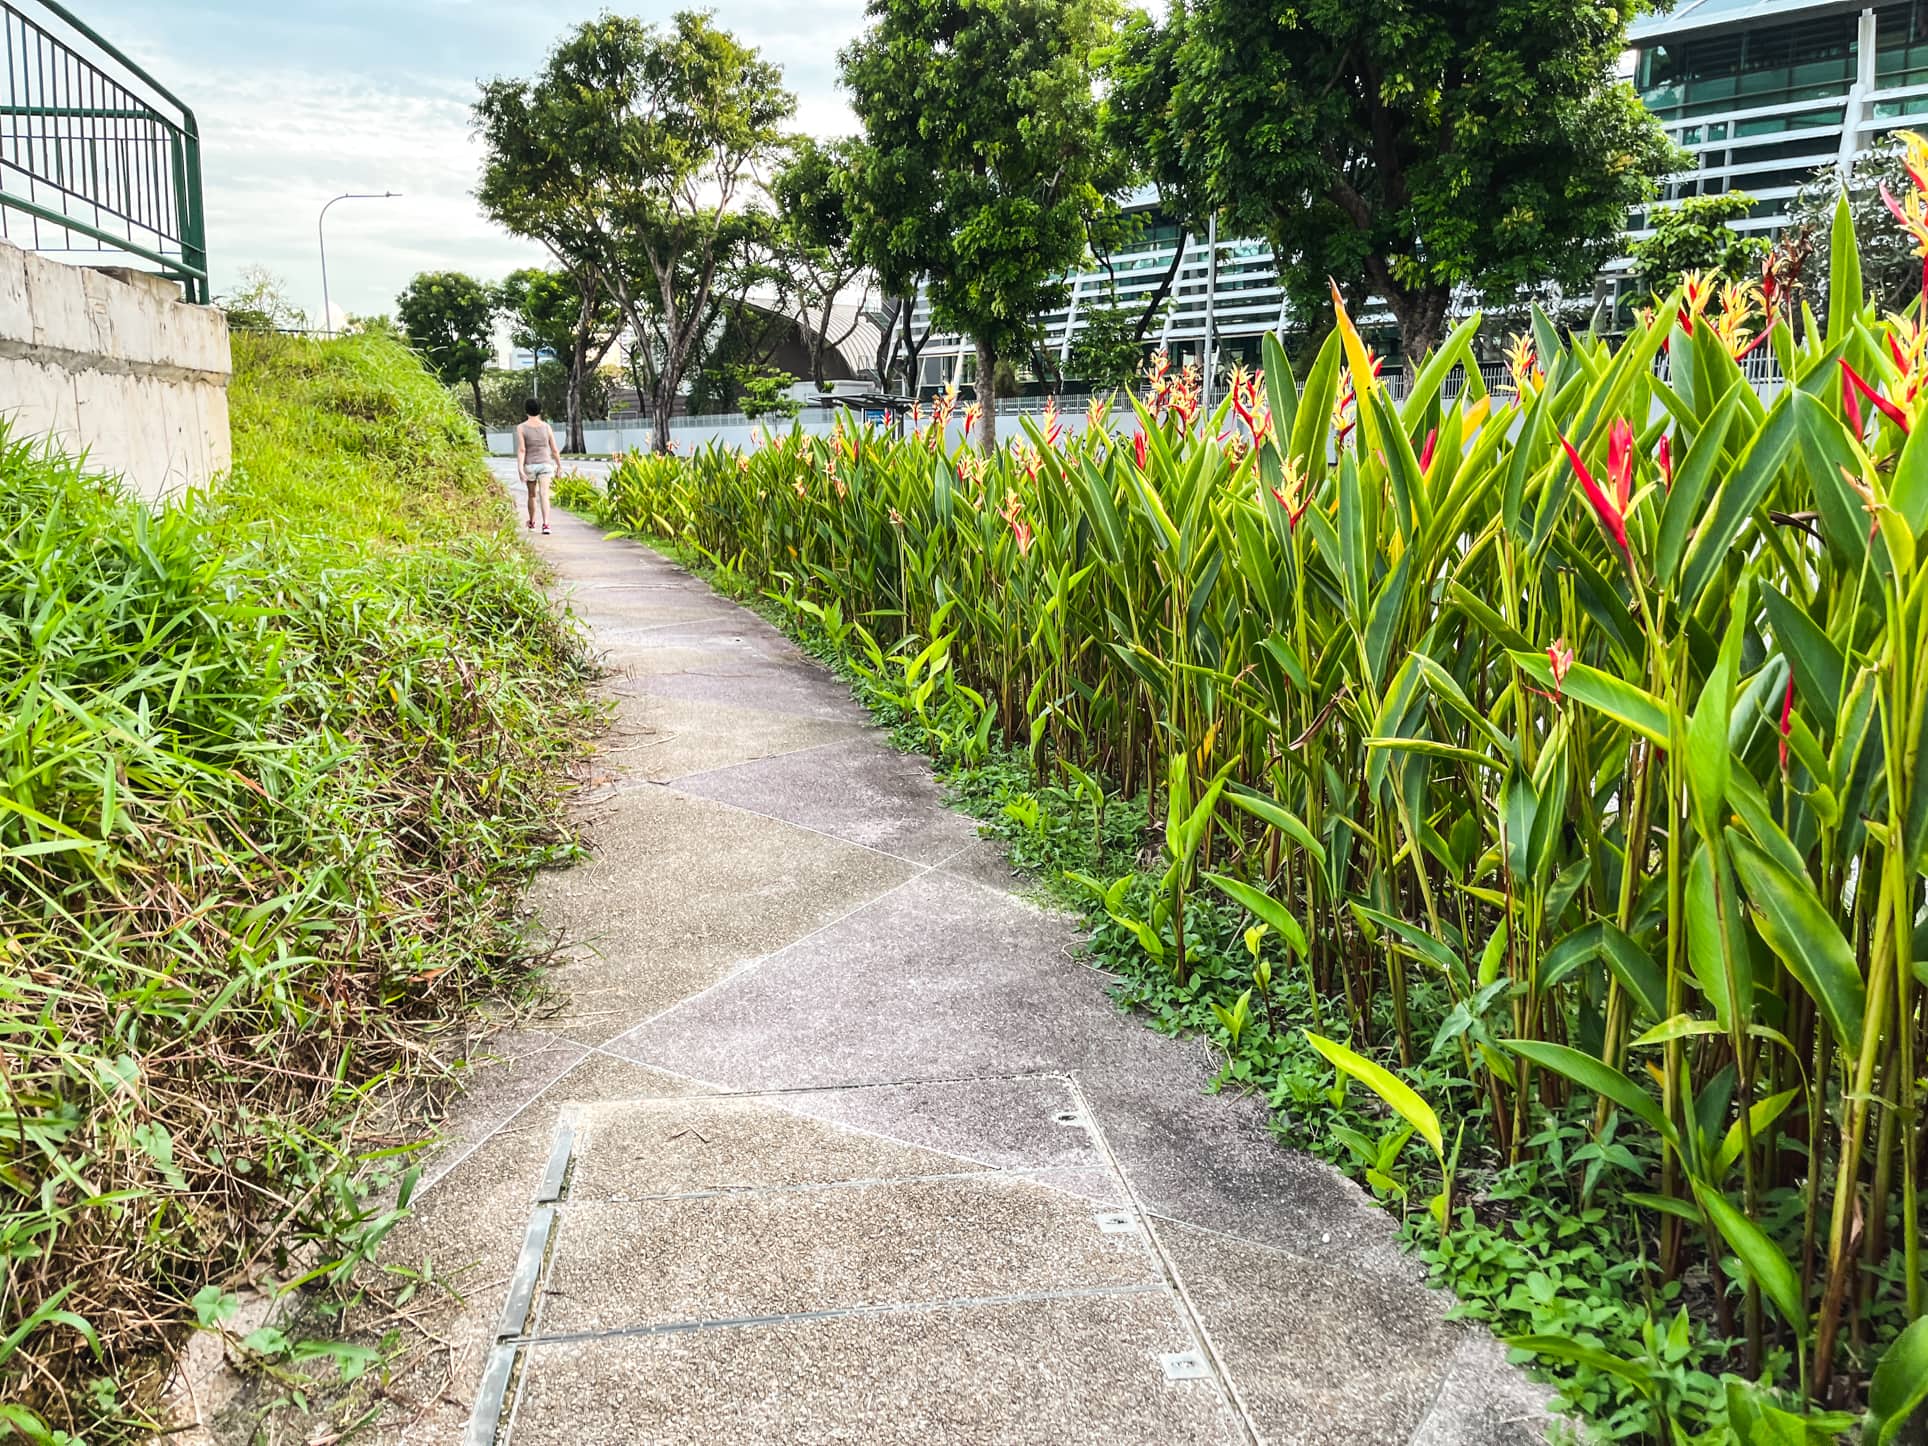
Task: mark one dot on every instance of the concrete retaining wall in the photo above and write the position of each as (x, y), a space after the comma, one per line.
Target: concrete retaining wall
(114, 364)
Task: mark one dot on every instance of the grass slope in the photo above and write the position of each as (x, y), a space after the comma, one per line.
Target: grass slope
(273, 763)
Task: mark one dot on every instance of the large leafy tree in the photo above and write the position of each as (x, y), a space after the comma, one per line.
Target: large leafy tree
(983, 162)
(631, 154)
(450, 319)
(570, 314)
(811, 193)
(1413, 146)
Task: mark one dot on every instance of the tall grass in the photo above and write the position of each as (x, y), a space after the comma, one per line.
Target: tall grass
(272, 761)
(1565, 740)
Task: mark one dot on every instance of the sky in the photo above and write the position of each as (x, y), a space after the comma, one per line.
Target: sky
(299, 102)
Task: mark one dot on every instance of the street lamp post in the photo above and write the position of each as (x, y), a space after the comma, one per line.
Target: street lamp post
(321, 239)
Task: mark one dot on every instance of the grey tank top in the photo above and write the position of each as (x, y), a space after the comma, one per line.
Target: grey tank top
(535, 445)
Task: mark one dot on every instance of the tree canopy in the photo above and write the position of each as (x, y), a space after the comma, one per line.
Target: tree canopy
(631, 153)
(813, 232)
(1698, 235)
(450, 319)
(1409, 146)
(984, 159)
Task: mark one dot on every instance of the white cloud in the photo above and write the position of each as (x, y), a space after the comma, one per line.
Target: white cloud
(299, 107)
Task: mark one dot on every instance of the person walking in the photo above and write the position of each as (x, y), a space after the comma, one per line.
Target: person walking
(536, 456)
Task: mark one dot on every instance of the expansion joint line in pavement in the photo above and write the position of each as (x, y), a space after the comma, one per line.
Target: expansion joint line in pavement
(1241, 1414)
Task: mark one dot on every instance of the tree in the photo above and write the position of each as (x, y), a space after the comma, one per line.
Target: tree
(578, 322)
(1698, 235)
(1414, 146)
(1890, 265)
(983, 160)
(1107, 351)
(450, 319)
(630, 154)
(1142, 73)
(813, 237)
(261, 303)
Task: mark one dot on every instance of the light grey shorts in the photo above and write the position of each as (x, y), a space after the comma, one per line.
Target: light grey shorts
(539, 472)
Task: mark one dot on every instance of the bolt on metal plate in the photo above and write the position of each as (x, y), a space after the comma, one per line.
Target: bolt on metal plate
(1184, 1366)
(1115, 1222)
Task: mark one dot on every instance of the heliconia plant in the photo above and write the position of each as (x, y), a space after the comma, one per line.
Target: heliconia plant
(1592, 705)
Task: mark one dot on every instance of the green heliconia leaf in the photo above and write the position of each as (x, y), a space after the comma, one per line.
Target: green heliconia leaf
(1398, 1095)
(1762, 1259)
(1716, 942)
(1263, 907)
(1744, 488)
(1900, 1385)
(1681, 508)
(1519, 805)
(1844, 269)
(1754, 1419)
(1603, 1079)
(1805, 935)
(1565, 1348)
(1621, 701)
(1281, 396)
(1272, 812)
(1820, 671)
(1764, 1113)
(1708, 756)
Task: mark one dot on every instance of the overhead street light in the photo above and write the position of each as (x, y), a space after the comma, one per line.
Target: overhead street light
(321, 238)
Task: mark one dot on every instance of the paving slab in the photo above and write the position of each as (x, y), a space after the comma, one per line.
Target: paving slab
(861, 789)
(941, 977)
(678, 892)
(657, 739)
(1309, 1347)
(1080, 1372)
(629, 1151)
(728, 1256)
(1033, 1122)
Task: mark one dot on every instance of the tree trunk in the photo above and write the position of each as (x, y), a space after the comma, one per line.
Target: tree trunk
(1164, 287)
(662, 408)
(886, 343)
(577, 360)
(986, 397)
(1422, 317)
(475, 389)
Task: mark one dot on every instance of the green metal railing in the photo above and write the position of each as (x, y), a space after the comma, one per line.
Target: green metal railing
(96, 156)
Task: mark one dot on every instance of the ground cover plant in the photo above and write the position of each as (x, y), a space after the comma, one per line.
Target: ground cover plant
(1530, 783)
(271, 763)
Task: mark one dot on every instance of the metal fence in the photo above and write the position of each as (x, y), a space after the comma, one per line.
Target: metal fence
(96, 156)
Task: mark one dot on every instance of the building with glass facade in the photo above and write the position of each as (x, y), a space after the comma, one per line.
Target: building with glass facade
(1761, 93)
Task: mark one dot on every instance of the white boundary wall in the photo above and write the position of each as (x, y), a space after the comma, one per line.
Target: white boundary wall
(115, 365)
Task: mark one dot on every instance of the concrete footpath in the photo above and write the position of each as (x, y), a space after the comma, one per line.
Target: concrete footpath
(833, 1136)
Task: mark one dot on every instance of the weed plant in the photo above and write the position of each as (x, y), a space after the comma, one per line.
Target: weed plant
(273, 761)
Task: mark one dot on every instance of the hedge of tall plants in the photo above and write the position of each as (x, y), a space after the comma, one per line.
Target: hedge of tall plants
(1570, 733)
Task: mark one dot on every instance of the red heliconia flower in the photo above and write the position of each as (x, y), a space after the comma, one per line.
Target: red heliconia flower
(1021, 530)
(1851, 382)
(1426, 452)
(1612, 518)
(1561, 656)
(1787, 716)
(1620, 462)
(1665, 456)
(1138, 449)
